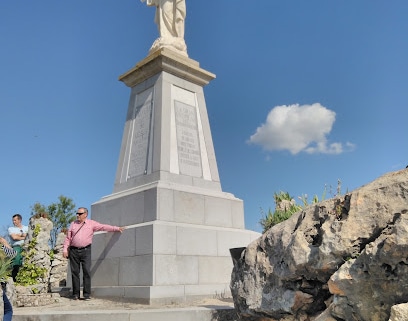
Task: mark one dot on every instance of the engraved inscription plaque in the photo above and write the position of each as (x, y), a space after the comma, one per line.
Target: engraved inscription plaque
(141, 130)
(188, 144)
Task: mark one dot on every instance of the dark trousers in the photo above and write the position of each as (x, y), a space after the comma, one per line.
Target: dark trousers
(14, 272)
(8, 309)
(17, 262)
(80, 257)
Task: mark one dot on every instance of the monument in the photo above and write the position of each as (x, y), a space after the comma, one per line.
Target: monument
(179, 223)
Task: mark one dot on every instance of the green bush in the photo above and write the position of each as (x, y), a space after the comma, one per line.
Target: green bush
(5, 268)
(286, 206)
(278, 216)
(29, 273)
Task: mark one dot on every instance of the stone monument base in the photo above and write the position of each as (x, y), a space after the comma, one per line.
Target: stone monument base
(176, 245)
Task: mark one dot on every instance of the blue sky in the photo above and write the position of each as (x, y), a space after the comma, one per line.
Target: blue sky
(307, 92)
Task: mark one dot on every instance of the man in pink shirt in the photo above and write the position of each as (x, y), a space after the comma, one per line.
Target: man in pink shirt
(77, 246)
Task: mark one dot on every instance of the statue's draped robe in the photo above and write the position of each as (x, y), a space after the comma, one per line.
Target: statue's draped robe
(170, 16)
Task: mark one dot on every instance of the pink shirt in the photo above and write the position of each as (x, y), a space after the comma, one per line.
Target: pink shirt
(86, 232)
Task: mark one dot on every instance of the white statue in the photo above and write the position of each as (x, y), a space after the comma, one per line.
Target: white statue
(170, 16)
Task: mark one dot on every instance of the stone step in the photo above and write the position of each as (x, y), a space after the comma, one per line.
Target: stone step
(168, 314)
(98, 309)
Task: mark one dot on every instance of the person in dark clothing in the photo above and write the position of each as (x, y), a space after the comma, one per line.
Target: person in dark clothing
(10, 253)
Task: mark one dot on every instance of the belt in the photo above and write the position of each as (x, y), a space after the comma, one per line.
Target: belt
(80, 248)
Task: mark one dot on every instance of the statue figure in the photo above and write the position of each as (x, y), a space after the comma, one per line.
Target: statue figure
(170, 16)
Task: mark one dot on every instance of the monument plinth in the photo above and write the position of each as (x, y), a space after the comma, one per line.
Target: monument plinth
(179, 223)
(170, 61)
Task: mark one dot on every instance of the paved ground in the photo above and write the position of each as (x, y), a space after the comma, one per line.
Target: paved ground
(66, 304)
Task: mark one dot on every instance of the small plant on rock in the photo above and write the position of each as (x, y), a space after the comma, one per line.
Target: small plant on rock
(29, 273)
(5, 268)
(285, 207)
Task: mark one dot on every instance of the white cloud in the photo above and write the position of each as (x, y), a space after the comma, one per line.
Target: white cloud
(299, 128)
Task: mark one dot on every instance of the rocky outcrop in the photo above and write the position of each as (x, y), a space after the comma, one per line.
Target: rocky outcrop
(47, 269)
(37, 250)
(342, 259)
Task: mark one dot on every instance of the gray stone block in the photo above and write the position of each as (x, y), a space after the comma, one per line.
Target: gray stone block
(137, 270)
(214, 270)
(144, 240)
(105, 272)
(165, 238)
(189, 207)
(196, 241)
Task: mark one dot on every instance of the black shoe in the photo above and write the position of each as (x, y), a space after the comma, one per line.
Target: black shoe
(87, 298)
(74, 297)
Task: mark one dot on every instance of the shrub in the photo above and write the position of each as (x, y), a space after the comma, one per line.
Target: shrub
(5, 268)
(285, 206)
(29, 273)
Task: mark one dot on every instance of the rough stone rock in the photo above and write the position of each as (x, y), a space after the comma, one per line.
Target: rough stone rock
(59, 266)
(38, 251)
(345, 258)
(38, 254)
(399, 312)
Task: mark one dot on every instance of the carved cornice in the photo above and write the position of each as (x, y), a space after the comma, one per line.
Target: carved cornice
(169, 61)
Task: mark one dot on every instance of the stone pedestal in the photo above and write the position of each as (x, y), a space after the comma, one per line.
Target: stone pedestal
(167, 192)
